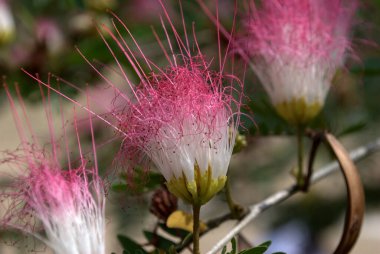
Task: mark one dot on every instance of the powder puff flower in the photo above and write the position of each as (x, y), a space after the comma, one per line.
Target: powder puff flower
(296, 47)
(62, 207)
(183, 120)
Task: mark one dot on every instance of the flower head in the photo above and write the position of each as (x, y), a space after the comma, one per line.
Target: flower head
(183, 117)
(63, 207)
(296, 47)
(183, 120)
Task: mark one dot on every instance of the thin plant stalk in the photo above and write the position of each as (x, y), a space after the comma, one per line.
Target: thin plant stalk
(236, 210)
(300, 156)
(196, 228)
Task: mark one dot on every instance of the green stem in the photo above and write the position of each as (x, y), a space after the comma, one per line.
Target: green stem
(196, 228)
(230, 202)
(300, 149)
(235, 209)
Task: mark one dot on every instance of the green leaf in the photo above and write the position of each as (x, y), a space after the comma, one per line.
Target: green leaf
(119, 187)
(260, 249)
(224, 249)
(265, 244)
(355, 127)
(80, 3)
(255, 250)
(266, 119)
(234, 246)
(172, 250)
(130, 246)
(371, 67)
(158, 241)
(154, 180)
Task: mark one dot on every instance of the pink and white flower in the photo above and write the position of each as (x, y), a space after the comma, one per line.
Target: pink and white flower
(296, 47)
(63, 206)
(183, 120)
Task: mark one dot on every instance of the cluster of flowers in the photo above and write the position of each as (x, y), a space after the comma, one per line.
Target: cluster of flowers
(183, 118)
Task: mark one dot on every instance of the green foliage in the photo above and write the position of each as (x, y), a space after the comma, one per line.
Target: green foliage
(233, 246)
(268, 123)
(370, 67)
(142, 182)
(353, 128)
(158, 241)
(129, 245)
(260, 249)
(266, 120)
(162, 244)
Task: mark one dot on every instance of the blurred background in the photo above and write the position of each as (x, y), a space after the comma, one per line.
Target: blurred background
(41, 36)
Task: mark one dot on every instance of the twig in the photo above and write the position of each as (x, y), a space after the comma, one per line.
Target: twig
(278, 197)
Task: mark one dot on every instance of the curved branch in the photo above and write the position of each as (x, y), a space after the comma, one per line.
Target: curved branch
(355, 199)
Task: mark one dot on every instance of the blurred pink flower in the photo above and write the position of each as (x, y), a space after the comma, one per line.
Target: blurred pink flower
(7, 23)
(296, 47)
(63, 206)
(140, 11)
(49, 35)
